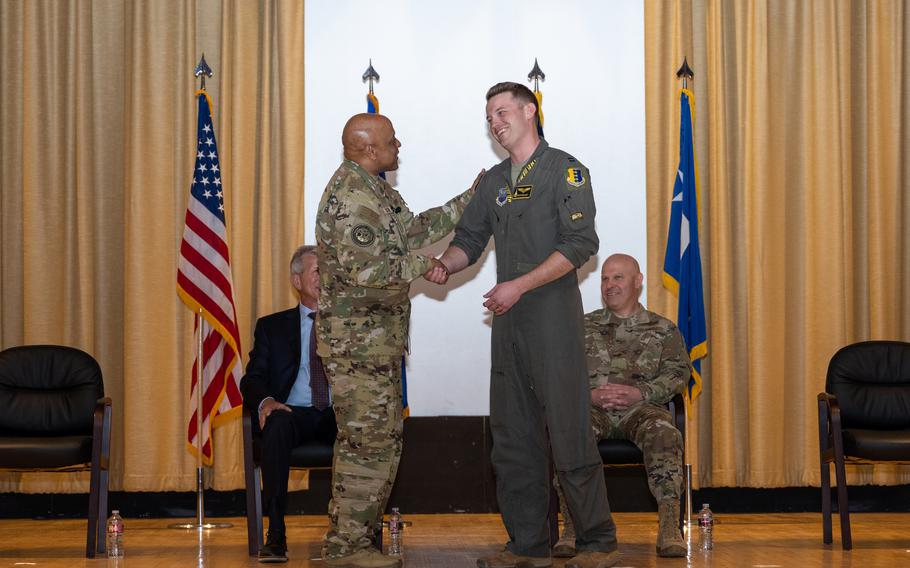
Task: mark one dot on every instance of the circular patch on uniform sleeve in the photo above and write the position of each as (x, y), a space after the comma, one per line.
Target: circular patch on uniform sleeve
(363, 235)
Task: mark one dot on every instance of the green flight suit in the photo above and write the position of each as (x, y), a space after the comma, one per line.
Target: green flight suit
(538, 382)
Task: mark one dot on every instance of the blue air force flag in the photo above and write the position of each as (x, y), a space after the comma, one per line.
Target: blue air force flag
(682, 262)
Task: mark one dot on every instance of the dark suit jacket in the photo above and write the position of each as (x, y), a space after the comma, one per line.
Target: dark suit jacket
(274, 359)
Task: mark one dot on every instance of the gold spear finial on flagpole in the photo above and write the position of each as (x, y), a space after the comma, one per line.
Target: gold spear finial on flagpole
(370, 74)
(685, 72)
(203, 69)
(536, 75)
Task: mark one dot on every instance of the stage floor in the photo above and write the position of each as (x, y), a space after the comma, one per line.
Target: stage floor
(455, 541)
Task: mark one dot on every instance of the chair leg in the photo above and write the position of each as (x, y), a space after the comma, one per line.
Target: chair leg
(843, 507)
(91, 534)
(254, 510)
(827, 537)
(104, 486)
(553, 511)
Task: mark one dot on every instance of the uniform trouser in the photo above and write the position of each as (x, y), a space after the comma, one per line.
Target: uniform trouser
(283, 432)
(366, 394)
(651, 428)
(535, 392)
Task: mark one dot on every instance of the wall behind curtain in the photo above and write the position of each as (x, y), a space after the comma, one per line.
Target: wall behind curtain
(96, 155)
(802, 114)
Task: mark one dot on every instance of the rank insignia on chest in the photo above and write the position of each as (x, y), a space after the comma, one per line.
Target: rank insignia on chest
(522, 192)
(363, 235)
(577, 216)
(503, 197)
(575, 177)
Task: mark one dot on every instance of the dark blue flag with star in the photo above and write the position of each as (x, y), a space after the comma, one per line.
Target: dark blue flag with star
(682, 262)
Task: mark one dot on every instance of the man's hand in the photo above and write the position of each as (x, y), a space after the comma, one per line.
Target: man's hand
(615, 397)
(503, 296)
(477, 180)
(268, 406)
(439, 274)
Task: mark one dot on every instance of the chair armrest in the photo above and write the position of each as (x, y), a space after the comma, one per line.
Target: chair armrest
(247, 420)
(829, 426)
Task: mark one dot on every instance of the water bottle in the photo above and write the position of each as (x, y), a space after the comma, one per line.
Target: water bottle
(115, 535)
(395, 533)
(706, 527)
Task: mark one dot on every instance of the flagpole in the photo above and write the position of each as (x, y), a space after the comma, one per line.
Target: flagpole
(685, 73)
(538, 75)
(201, 70)
(200, 477)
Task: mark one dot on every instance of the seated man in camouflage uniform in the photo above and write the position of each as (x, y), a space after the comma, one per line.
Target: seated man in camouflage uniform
(637, 361)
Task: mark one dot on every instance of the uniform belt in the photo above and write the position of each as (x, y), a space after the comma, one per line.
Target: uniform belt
(383, 297)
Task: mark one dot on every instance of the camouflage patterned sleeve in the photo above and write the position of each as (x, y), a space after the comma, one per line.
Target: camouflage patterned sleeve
(366, 251)
(673, 373)
(595, 350)
(575, 204)
(434, 224)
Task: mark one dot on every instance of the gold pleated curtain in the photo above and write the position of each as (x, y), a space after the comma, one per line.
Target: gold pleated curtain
(802, 139)
(97, 150)
(803, 144)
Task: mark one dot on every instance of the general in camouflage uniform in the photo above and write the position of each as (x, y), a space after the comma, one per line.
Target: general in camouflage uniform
(627, 345)
(365, 235)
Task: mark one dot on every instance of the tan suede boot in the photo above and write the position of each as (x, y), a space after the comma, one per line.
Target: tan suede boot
(670, 542)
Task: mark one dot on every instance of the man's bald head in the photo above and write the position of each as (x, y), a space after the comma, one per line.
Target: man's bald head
(621, 284)
(624, 260)
(369, 140)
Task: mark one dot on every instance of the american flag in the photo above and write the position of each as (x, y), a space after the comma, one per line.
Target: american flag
(205, 285)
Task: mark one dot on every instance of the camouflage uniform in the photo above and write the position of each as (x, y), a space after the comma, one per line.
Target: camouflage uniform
(539, 397)
(365, 233)
(647, 351)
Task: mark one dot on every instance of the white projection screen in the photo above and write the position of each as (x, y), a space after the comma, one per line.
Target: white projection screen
(436, 61)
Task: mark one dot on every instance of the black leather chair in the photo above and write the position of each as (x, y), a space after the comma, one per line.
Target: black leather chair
(863, 417)
(311, 455)
(55, 417)
(622, 453)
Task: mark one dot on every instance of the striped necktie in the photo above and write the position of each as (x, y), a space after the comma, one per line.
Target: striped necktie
(319, 385)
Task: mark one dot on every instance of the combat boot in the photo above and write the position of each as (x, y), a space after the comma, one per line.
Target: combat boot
(508, 559)
(594, 559)
(670, 542)
(565, 546)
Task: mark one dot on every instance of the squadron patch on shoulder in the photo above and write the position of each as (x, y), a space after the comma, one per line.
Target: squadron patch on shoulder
(503, 197)
(363, 235)
(575, 177)
(522, 192)
(577, 216)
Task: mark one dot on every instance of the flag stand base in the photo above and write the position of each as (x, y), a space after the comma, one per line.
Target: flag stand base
(200, 511)
(202, 526)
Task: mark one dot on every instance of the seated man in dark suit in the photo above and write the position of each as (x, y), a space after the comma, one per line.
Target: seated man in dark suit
(286, 385)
